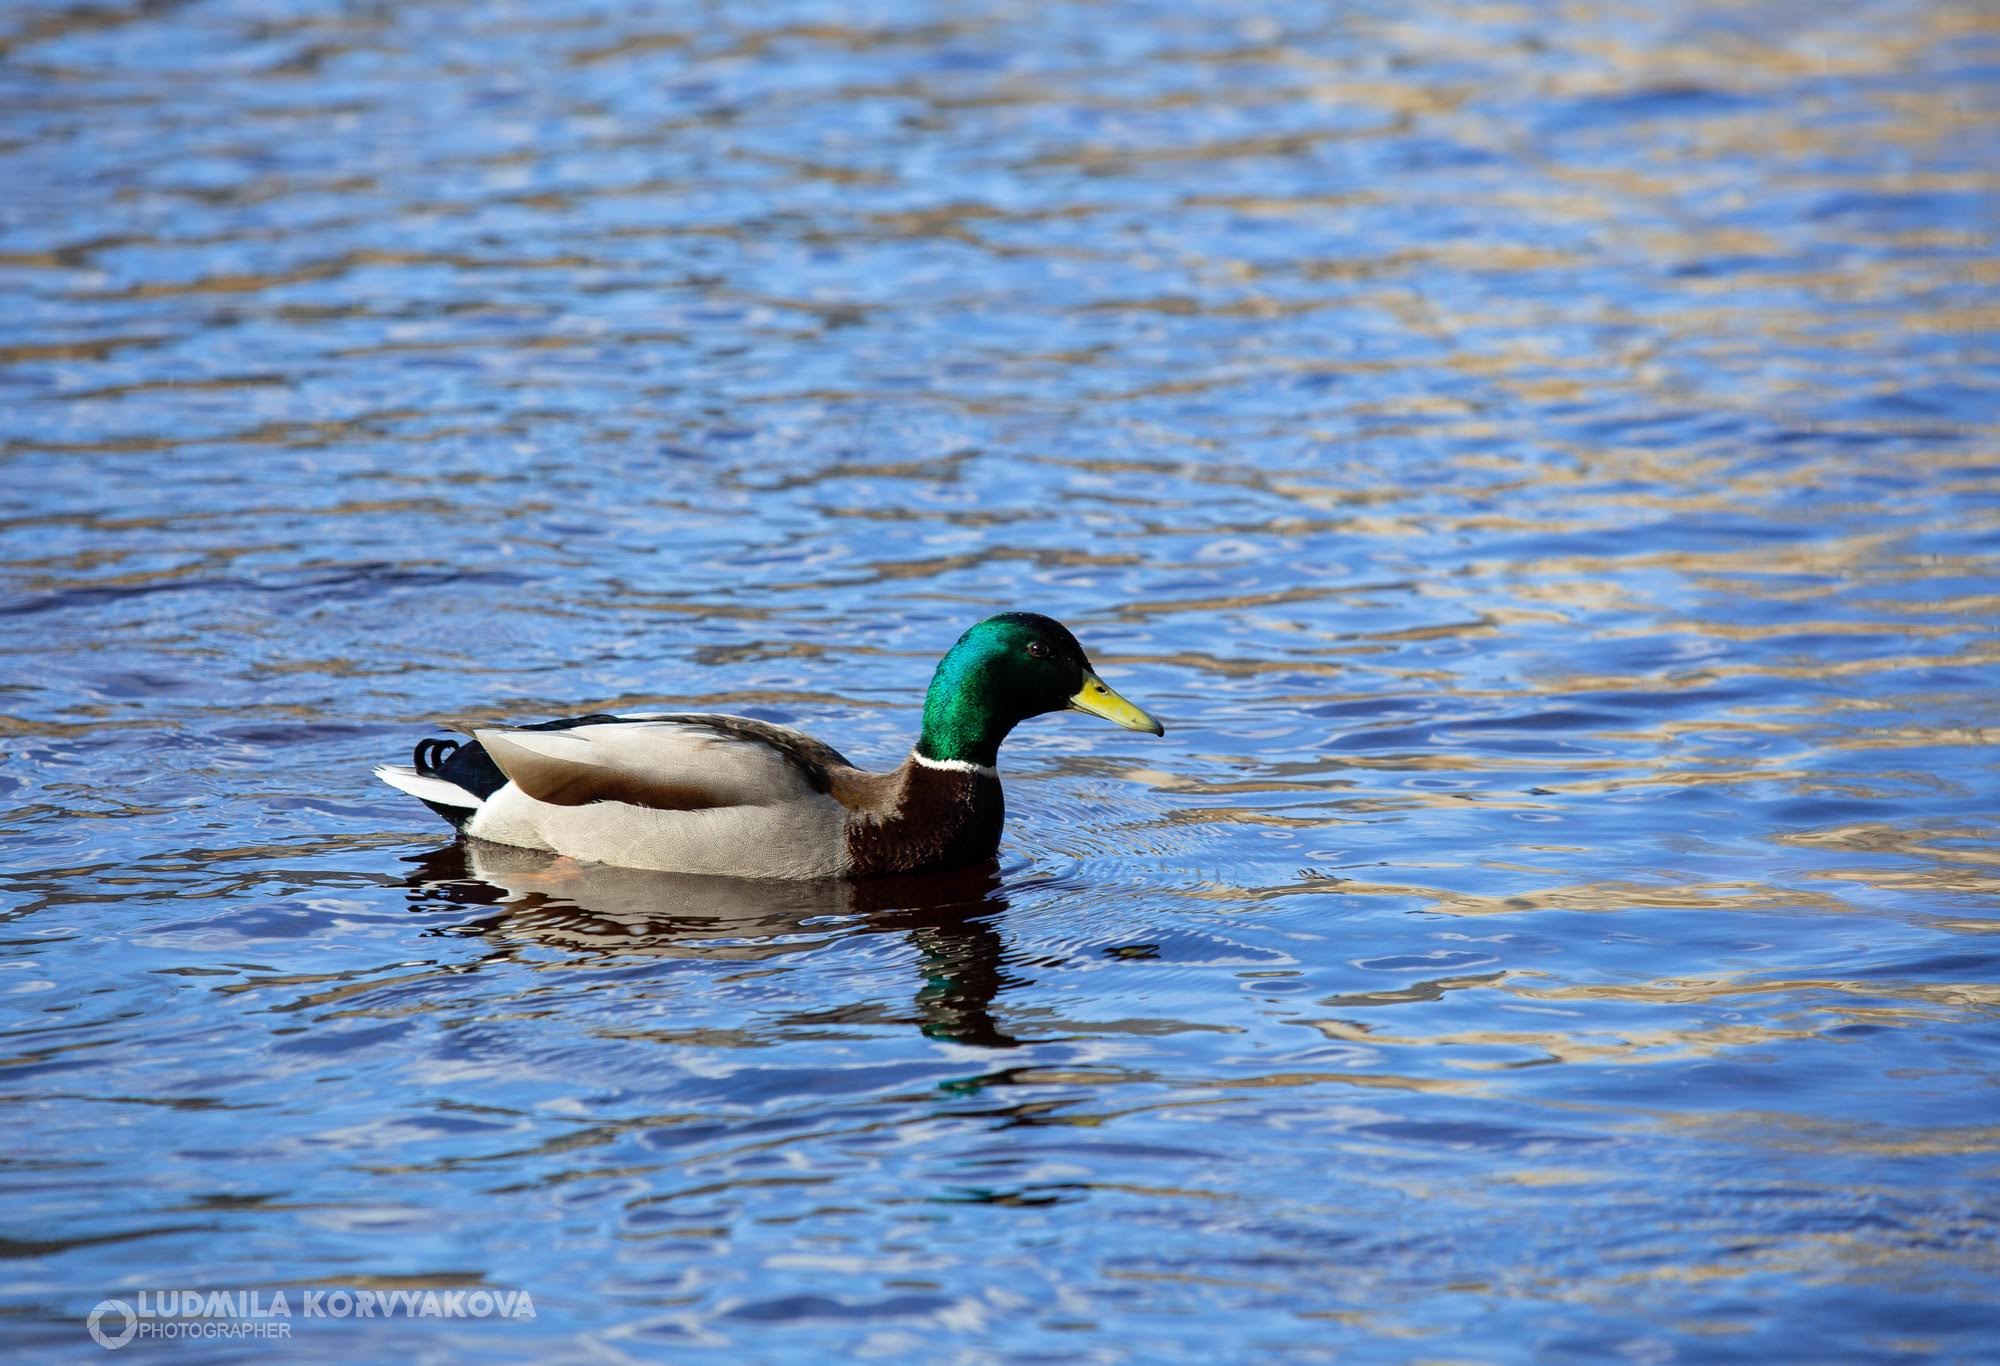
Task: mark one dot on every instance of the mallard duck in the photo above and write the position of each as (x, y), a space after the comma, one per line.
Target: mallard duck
(700, 793)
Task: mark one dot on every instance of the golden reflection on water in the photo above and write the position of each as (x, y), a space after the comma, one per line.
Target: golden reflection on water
(1537, 460)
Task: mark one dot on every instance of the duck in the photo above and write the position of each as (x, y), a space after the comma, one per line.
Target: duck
(732, 796)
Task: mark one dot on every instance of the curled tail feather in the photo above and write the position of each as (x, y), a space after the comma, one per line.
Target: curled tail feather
(432, 755)
(448, 795)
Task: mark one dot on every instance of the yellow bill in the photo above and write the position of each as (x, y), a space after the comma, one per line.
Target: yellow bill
(1099, 699)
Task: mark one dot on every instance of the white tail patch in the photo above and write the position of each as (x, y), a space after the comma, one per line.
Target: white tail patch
(426, 788)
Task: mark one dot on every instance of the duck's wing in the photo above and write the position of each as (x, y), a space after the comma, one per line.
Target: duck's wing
(687, 762)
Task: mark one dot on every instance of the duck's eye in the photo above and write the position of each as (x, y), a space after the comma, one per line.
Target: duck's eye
(1038, 649)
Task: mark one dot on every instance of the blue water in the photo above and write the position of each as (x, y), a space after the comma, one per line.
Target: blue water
(1541, 461)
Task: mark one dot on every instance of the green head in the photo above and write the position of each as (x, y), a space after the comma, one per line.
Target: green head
(1001, 672)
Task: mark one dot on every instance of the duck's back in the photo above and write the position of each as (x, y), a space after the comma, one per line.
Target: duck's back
(690, 792)
(705, 793)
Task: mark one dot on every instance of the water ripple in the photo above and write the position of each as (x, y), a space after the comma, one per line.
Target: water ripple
(1538, 460)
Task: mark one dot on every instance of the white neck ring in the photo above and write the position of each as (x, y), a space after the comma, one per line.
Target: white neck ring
(954, 765)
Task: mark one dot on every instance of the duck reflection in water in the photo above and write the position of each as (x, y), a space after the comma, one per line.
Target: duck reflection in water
(595, 910)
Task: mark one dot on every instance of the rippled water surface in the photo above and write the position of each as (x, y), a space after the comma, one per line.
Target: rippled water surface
(1541, 461)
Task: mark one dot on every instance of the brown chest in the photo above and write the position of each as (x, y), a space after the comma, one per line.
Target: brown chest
(930, 819)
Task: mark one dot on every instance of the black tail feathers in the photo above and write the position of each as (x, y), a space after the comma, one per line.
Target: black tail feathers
(432, 755)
